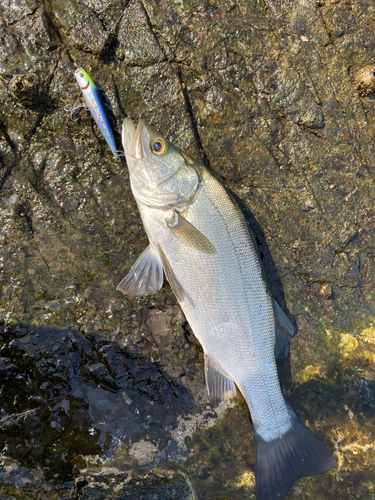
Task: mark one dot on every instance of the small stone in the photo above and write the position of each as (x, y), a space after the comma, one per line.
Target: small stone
(323, 290)
(365, 80)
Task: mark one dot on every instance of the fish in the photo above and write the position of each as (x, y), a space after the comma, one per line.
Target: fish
(91, 95)
(200, 240)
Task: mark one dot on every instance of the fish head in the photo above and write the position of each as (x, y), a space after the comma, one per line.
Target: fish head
(160, 173)
(82, 78)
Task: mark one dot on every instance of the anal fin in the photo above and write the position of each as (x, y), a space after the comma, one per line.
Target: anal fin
(219, 386)
(145, 277)
(284, 332)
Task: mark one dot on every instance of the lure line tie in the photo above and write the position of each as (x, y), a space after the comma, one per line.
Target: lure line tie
(119, 154)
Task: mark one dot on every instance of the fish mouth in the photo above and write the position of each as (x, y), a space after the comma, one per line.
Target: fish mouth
(132, 139)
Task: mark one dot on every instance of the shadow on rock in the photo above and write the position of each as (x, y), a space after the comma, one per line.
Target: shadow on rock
(65, 395)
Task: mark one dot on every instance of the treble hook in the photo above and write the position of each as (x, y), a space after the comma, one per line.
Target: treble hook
(73, 109)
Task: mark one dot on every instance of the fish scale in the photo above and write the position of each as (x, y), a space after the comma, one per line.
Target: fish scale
(200, 240)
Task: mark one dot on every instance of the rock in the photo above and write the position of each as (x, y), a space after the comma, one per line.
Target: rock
(138, 45)
(158, 484)
(278, 102)
(7, 368)
(323, 290)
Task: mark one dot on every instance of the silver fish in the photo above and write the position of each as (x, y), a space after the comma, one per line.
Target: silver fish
(199, 238)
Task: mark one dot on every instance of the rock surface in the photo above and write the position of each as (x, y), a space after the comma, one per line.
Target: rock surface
(277, 98)
(158, 484)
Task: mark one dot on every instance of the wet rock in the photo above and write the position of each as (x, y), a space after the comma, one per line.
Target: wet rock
(27, 39)
(306, 21)
(12, 12)
(17, 482)
(158, 484)
(100, 373)
(137, 45)
(61, 375)
(335, 18)
(292, 98)
(264, 95)
(7, 368)
(26, 89)
(81, 25)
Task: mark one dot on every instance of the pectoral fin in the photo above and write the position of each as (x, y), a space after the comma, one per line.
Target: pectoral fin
(284, 332)
(145, 277)
(188, 234)
(219, 385)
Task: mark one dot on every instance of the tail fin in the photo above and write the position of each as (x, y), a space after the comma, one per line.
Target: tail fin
(280, 462)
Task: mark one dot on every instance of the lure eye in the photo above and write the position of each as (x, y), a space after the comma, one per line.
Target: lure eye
(81, 75)
(159, 146)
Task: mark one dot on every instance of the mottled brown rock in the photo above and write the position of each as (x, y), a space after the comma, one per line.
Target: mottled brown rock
(265, 93)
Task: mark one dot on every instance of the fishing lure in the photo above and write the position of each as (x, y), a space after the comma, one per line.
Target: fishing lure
(91, 95)
(92, 99)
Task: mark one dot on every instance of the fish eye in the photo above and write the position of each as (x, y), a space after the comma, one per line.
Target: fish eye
(81, 75)
(159, 146)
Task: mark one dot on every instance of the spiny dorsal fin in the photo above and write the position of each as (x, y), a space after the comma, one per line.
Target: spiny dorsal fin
(171, 277)
(145, 277)
(187, 233)
(284, 332)
(219, 385)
